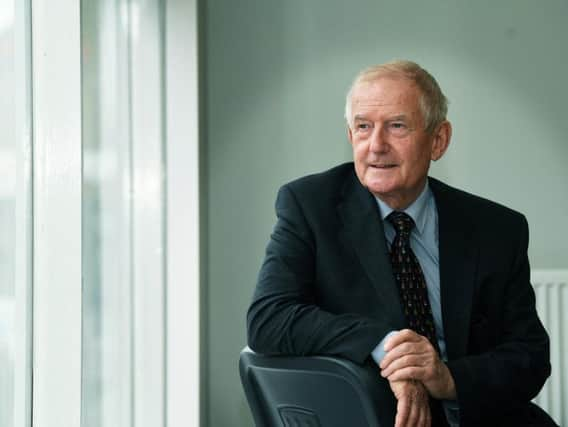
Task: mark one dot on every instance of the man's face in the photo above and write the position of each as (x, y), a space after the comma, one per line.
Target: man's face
(391, 148)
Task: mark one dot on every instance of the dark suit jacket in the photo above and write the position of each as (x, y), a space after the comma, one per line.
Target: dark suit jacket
(326, 287)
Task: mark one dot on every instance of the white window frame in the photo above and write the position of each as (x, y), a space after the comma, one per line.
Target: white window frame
(185, 385)
(148, 251)
(24, 216)
(57, 172)
(165, 139)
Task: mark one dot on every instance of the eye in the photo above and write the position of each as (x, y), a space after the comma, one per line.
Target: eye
(363, 126)
(398, 125)
(398, 128)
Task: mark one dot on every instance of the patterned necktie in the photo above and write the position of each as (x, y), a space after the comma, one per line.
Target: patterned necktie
(410, 279)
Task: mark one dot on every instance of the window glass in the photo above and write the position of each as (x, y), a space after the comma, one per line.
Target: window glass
(106, 225)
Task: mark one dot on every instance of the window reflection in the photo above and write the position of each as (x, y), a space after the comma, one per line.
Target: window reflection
(106, 225)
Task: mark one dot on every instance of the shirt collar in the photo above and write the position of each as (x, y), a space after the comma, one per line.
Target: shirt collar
(417, 210)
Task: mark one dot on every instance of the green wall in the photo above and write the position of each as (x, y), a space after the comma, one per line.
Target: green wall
(275, 75)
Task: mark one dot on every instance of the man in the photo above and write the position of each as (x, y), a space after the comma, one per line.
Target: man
(378, 263)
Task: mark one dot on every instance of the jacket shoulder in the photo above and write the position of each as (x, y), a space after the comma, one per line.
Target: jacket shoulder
(478, 208)
(323, 185)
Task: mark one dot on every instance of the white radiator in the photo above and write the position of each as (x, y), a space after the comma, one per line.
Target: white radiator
(551, 288)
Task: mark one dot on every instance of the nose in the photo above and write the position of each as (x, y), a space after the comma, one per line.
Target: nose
(379, 140)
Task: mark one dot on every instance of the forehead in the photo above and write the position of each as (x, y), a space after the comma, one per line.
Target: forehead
(386, 95)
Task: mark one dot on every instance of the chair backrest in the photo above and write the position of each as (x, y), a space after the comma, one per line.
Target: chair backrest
(315, 391)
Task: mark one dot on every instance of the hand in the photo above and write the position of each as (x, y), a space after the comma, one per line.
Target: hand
(411, 356)
(412, 408)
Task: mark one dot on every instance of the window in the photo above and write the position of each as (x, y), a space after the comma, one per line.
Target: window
(106, 220)
(8, 150)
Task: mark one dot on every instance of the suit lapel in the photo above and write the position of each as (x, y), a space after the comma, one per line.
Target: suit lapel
(458, 258)
(363, 230)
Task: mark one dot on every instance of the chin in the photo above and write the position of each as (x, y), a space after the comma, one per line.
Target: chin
(379, 188)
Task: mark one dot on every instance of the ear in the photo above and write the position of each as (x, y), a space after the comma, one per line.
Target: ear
(442, 136)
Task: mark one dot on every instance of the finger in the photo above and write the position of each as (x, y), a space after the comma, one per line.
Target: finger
(421, 419)
(402, 412)
(399, 351)
(428, 421)
(421, 347)
(406, 361)
(414, 414)
(400, 337)
(424, 416)
(411, 373)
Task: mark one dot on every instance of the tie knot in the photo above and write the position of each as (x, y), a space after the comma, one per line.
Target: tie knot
(401, 222)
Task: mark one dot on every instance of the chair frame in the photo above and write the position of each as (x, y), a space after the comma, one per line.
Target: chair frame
(279, 388)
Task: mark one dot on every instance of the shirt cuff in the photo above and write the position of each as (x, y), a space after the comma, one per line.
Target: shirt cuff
(379, 352)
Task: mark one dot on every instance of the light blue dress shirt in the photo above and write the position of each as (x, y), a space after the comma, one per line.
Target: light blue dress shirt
(424, 243)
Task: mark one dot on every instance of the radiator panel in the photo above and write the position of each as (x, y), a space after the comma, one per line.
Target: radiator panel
(551, 289)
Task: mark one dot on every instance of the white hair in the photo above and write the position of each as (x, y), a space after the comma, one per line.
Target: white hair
(433, 103)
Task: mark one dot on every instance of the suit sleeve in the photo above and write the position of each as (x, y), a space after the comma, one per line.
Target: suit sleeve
(511, 373)
(284, 317)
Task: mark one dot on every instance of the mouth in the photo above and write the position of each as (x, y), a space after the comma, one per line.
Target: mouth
(384, 166)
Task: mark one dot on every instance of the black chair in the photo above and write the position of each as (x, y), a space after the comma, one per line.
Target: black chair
(315, 391)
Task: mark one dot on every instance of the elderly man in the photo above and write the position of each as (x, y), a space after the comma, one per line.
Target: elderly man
(376, 262)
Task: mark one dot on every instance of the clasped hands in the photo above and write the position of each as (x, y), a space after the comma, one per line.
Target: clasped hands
(415, 372)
